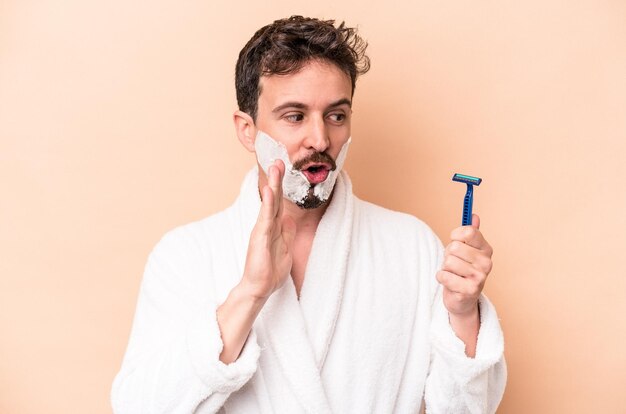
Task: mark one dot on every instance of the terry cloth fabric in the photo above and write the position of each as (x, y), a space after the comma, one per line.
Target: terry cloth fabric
(369, 333)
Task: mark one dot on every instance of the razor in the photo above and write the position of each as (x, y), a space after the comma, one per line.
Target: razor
(469, 195)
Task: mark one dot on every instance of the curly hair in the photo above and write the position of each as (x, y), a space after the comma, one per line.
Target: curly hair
(284, 46)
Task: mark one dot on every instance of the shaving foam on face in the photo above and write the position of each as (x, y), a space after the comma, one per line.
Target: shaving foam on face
(295, 184)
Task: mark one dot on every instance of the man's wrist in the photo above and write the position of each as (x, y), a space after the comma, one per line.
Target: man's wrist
(244, 294)
(466, 327)
(470, 316)
(235, 318)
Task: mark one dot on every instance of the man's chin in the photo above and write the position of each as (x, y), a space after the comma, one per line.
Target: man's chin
(310, 202)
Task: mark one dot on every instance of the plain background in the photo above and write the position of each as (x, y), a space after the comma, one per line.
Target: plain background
(115, 127)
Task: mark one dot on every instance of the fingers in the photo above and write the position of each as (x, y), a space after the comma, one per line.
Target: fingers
(459, 284)
(472, 236)
(271, 197)
(463, 269)
(479, 259)
(275, 179)
(267, 205)
(467, 261)
(278, 188)
(475, 221)
(466, 264)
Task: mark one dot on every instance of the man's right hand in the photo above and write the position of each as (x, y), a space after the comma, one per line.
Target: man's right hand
(269, 258)
(268, 265)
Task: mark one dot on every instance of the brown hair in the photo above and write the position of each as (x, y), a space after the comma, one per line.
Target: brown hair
(284, 46)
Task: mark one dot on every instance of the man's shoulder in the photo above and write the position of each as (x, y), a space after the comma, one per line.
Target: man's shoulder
(219, 230)
(198, 233)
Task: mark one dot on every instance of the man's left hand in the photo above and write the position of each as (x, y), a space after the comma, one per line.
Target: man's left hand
(466, 264)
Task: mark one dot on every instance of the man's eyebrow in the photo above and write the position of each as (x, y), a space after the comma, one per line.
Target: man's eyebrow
(300, 105)
(342, 101)
(291, 104)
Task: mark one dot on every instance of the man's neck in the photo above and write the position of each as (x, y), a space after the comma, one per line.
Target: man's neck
(306, 219)
(307, 222)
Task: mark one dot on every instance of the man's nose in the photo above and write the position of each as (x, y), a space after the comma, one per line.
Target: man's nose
(317, 137)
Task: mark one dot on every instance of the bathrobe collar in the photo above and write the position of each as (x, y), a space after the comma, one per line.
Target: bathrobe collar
(299, 332)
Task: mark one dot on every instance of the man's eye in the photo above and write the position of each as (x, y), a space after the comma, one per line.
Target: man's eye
(294, 117)
(337, 117)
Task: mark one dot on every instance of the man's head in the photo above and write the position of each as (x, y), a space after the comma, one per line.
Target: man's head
(284, 46)
(295, 80)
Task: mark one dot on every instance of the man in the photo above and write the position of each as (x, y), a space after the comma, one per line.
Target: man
(301, 297)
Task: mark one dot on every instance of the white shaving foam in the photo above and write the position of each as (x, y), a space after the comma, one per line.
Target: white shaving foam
(295, 184)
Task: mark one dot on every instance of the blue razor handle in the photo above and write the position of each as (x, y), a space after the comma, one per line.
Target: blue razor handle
(469, 195)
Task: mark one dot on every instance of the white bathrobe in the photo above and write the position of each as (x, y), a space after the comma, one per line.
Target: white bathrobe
(369, 334)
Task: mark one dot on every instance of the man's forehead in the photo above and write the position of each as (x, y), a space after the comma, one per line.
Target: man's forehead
(320, 84)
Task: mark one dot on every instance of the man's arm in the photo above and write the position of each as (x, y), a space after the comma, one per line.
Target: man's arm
(171, 364)
(457, 383)
(466, 264)
(466, 328)
(175, 359)
(235, 318)
(467, 369)
(268, 263)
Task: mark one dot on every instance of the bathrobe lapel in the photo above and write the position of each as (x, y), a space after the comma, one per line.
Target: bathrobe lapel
(283, 325)
(322, 290)
(298, 333)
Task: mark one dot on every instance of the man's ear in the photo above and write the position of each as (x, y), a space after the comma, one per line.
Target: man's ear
(246, 130)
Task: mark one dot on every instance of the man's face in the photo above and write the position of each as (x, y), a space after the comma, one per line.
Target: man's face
(309, 112)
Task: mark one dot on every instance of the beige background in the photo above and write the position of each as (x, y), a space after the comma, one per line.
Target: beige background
(115, 126)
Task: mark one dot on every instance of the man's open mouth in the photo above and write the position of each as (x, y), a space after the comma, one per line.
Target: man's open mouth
(316, 173)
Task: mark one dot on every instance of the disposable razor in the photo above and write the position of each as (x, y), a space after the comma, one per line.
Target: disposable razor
(469, 195)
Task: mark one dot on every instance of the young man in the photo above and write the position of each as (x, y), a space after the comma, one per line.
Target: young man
(301, 298)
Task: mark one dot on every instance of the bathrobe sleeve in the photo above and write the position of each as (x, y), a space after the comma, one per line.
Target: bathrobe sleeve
(172, 361)
(456, 383)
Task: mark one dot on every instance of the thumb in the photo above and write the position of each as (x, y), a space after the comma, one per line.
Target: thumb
(288, 231)
(475, 221)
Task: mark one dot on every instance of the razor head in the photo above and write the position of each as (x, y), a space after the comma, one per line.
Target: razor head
(467, 179)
